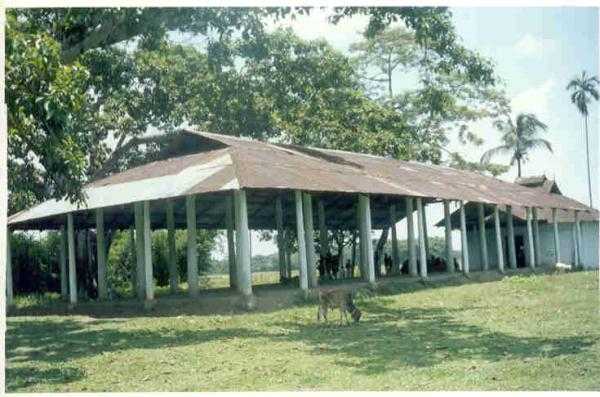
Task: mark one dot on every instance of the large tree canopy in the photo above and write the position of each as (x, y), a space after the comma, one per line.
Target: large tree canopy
(84, 86)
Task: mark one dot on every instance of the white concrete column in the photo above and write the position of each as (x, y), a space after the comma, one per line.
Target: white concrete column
(536, 236)
(101, 254)
(499, 249)
(243, 258)
(579, 248)
(172, 256)
(482, 237)
(64, 280)
(280, 241)
(139, 250)
(365, 226)
(192, 245)
(71, 250)
(464, 239)
(556, 236)
(149, 277)
(412, 255)
(512, 252)
(422, 250)
(303, 276)
(395, 252)
(9, 282)
(230, 223)
(530, 244)
(448, 237)
(309, 239)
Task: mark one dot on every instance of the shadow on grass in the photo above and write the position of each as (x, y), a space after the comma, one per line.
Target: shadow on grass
(20, 377)
(390, 338)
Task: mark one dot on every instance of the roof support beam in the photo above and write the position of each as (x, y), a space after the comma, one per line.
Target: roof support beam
(172, 260)
(64, 281)
(482, 237)
(364, 206)
(464, 239)
(499, 248)
(192, 246)
(422, 238)
(309, 239)
(101, 254)
(243, 269)
(71, 249)
(530, 245)
(139, 250)
(410, 226)
(395, 252)
(556, 237)
(448, 237)
(578, 250)
(229, 222)
(536, 236)
(149, 278)
(512, 254)
(301, 241)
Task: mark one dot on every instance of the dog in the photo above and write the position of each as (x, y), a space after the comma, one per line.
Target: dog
(336, 298)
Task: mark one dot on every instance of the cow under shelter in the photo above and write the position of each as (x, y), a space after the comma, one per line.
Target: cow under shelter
(211, 181)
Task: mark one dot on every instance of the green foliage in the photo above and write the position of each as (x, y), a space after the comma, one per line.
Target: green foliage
(35, 262)
(583, 89)
(518, 139)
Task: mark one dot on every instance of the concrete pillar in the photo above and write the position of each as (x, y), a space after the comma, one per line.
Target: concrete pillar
(243, 258)
(71, 250)
(448, 236)
(134, 281)
(499, 249)
(482, 237)
(365, 234)
(464, 240)
(412, 255)
(172, 256)
(303, 276)
(578, 245)
(9, 283)
(530, 244)
(422, 249)
(395, 251)
(512, 252)
(101, 254)
(64, 280)
(536, 237)
(556, 236)
(192, 245)
(230, 224)
(309, 239)
(280, 240)
(139, 250)
(425, 233)
(149, 277)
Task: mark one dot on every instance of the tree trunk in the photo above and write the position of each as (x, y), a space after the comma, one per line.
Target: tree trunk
(519, 168)
(587, 152)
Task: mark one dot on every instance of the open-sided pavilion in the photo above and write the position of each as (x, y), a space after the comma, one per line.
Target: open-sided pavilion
(205, 180)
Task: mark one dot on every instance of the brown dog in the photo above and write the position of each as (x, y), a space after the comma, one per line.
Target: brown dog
(335, 298)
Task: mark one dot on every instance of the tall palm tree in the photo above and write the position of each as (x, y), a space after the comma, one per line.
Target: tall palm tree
(583, 89)
(518, 139)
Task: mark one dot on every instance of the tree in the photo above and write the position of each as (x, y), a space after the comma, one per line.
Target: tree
(518, 139)
(583, 89)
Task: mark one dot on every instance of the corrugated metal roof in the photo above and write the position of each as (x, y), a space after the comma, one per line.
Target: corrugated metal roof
(241, 163)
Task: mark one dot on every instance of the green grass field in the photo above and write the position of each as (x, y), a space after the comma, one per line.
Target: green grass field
(534, 332)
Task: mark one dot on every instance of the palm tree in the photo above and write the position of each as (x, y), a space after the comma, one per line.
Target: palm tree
(583, 89)
(518, 139)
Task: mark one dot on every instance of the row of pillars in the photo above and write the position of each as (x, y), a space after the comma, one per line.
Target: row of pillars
(238, 236)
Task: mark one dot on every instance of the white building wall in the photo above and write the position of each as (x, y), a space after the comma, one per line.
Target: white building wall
(590, 242)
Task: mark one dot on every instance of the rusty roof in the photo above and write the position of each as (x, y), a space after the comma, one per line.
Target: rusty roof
(222, 163)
